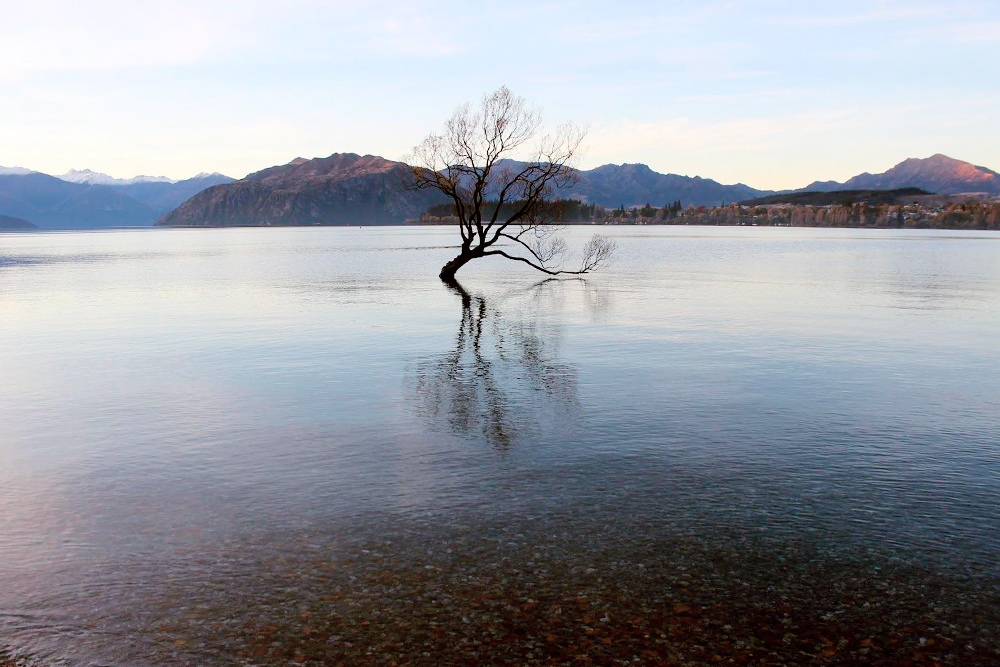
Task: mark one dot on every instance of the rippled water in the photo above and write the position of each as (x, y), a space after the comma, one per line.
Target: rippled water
(188, 416)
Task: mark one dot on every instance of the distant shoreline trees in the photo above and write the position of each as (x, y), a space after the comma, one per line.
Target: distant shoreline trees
(949, 215)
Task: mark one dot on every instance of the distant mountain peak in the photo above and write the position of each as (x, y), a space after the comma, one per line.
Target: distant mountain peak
(938, 173)
(624, 166)
(90, 177)
(936, 158)
(15, 171)
(333, 167)
(343, 188)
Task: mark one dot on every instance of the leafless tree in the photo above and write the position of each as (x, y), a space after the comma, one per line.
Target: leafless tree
(500, 203)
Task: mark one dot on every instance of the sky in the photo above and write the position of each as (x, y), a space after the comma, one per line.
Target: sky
(772, 93)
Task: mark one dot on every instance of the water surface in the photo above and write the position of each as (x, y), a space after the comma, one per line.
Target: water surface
(191, 420)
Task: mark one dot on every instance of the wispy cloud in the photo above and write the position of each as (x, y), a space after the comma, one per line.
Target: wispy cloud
(737, 90)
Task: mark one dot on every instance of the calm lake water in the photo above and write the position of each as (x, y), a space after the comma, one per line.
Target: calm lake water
(189, 419)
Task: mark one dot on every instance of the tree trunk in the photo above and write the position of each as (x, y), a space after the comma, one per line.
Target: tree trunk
(449, 270)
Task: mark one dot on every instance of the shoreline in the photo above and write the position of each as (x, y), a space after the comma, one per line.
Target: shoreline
(500, 595)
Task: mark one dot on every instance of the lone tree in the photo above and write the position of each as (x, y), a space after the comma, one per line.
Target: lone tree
(503, 206)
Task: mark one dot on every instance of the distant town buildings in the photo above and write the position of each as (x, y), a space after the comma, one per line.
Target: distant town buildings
(927, 212)
(938, 213)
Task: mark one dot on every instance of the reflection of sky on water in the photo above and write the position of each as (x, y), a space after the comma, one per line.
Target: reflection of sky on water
(169, 391)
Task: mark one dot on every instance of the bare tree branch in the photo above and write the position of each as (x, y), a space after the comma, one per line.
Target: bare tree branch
(471, 162)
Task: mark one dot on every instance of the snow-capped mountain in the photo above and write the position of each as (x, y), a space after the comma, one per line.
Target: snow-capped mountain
(97, 178)
(14, 171)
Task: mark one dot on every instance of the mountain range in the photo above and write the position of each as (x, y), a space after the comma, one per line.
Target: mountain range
(85, 199)
(97, 178)
(346, 188)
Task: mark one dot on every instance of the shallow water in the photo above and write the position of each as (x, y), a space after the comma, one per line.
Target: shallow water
(190, 418)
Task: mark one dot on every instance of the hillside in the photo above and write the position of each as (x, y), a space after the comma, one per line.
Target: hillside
(939, 174)
(344, 188)
(9, 223)
(636, 184)
(162, 197)
(631, 185)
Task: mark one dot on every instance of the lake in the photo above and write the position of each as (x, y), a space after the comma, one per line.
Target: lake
(265, 446)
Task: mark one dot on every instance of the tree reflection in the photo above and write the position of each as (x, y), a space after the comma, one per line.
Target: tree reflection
(504, 381)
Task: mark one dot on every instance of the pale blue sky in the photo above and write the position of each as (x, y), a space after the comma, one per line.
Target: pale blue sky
(772, 93)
